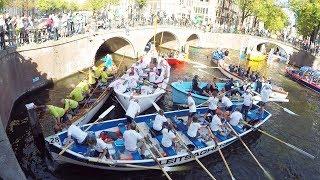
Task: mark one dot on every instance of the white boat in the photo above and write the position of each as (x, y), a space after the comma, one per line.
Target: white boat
(145, 100)
(77, 154)
(277, 95)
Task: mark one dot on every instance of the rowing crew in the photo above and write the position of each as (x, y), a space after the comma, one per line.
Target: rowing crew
(142, 77)
(79, 96)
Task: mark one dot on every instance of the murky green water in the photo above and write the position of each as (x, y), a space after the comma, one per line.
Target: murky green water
(282, 162)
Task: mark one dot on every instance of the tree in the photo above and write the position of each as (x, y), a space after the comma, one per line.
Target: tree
(247, 9)
(141, 3)
(273, 16)
(307, 14)
(96, 5)
(44, 5)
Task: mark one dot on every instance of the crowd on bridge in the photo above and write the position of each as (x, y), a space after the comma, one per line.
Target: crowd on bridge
(18, 30)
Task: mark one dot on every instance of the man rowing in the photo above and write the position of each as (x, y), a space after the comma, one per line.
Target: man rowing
(212, 104)
(196, 88)
(168, 136)
(193, 128)
(133, 140)
(88, 139)
(158, 122)
(216, 125)
(226, 102)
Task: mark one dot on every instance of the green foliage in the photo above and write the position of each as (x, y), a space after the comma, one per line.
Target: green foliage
(307, 14)
(273, 17)
(141, 3)
(56, 5)
(98, 4)
(247, 8)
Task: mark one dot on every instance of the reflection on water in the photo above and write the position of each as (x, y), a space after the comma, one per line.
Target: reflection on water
(282, 162)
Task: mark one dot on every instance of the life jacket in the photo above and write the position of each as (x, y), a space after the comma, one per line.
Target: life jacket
(76, 94)
(69, 103)
(91, 79)
(55, 111)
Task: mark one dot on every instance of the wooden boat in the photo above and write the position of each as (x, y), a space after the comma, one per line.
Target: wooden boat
(294, 75)
(76, 154)
(175, 61)
(145, 101)
(180, 92)
(278, 94)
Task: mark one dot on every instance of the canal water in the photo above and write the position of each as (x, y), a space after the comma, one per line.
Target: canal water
(281, 161)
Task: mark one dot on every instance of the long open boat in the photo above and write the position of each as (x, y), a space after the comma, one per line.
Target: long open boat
(277, 95)
(296, 77)
(76, 154)
(145, 101)
(175, 61)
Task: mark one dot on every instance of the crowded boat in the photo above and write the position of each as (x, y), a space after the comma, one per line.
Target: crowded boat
(305, 76)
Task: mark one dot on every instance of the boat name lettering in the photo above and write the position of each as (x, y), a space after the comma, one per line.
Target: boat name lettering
(187, 157)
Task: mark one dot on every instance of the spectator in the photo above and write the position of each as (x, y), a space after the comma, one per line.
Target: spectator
(2, 29)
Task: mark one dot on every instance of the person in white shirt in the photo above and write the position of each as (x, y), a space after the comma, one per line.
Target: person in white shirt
(158, 122)
(194, 127)
(226, 103)
(133, 140)
(152, 75)
(168, 137)
(212, 104)
(247, 103)
(234, 118)
(88, 139)
(118, 85)
(133, 110)
(192, 107)
(216, 125)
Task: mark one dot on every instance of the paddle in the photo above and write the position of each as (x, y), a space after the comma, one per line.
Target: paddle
(289, 145)
(95, 122)
(221, 154)
(194, 156)
(154, 156)
(184, 145)
(244, 144)
(285, 109)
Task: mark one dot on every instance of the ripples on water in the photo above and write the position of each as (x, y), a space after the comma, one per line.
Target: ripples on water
(282, 162)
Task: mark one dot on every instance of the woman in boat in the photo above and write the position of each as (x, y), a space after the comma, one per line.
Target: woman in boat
(133, 140)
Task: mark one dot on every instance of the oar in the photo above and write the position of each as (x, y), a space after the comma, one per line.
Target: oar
(95, 122)
(205, 66)
(244, 144)
(194, 156)
(285, 109)
(183, 144)
(221, 154)
(150, 83)
(154, 156)
(289, 145)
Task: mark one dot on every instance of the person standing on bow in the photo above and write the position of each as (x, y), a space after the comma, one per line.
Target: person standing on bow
(192, 108)
(247, 103)
(133, 110)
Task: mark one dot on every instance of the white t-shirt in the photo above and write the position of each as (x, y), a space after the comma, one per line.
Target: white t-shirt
(235, 118)
(131, 138)
(226, 101)
(158, 121)
(247, 99)
(133, 109)
(215, 123)
(192, 104)
(152, 75)
(75, 132)
(167, 137)
(193, 129)
(265, 94)
(213, 103)
(100, 146)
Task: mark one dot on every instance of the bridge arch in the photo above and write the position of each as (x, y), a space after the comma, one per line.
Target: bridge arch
(165, 39)
(193, 40)
(118, 45)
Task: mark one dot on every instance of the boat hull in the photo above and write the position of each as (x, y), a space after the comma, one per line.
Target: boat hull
(174, 61)
(276, 95)
(93, 110)
(55, 146)
(303, 82)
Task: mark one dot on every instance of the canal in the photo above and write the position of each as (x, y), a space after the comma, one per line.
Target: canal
(282, 162)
